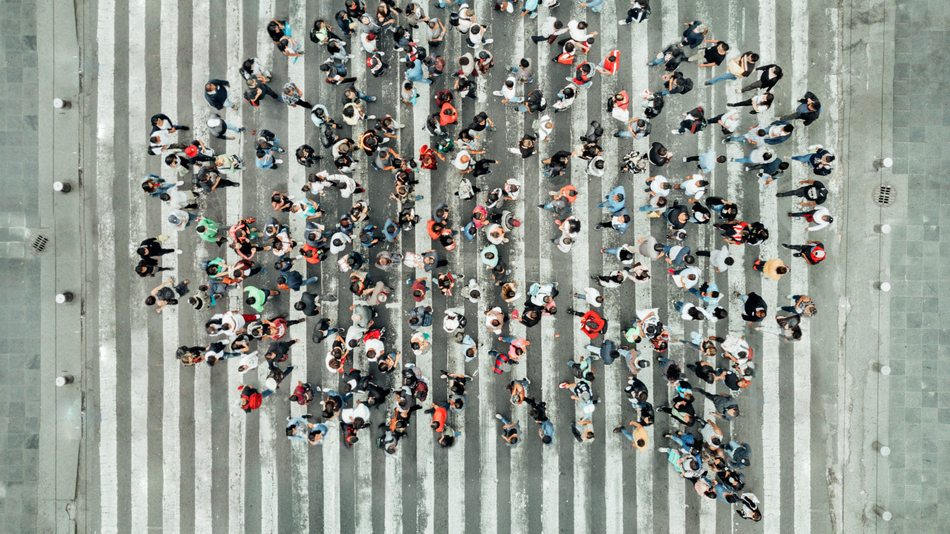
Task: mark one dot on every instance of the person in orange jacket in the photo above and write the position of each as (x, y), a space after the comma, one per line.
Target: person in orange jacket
(439, 415)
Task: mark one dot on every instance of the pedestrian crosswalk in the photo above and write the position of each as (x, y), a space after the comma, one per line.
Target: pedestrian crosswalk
(174, 451)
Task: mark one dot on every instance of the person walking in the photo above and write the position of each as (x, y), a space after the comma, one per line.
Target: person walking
(812, 193)
(808, 109)
(638, 437)
(509, 430)
(737, 68)
(218, 96)
(812, 252)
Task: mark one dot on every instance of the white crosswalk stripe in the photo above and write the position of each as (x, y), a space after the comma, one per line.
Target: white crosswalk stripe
(246, 477)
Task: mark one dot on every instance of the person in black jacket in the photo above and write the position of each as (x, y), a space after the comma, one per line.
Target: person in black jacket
(216, 94)
(755, 310)
(768, 77)
(808, 110)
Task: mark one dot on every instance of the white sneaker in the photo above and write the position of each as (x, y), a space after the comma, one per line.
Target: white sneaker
(179, 183)
(178, 251)
(278, 161)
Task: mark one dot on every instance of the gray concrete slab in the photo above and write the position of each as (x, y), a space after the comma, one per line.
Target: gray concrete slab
(19, 274)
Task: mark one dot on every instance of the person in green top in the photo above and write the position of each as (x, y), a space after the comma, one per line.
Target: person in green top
(208, 230)
(216, 268)
(257, 297)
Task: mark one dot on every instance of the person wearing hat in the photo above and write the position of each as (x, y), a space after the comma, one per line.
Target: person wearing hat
(180, 219)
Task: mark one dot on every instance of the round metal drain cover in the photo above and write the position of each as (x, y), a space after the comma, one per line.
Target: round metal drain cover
(884, 195)
(39, 243)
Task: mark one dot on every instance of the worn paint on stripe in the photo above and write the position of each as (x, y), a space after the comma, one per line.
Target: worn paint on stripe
(237, 426)
(171, 432)
(615, 446)
(769, 377)
(202, 375)
(646, 463)
(138, 400)
(105, 176)
(296, 126)
(580, 267)
(550, 377)
(670, 28)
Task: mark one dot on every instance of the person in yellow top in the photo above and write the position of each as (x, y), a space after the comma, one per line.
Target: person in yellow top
(638, 438)
(772, 269)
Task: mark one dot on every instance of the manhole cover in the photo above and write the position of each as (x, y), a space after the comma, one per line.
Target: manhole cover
(884, 195)
(39, 243)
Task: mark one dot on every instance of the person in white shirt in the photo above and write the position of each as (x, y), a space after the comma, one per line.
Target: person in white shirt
(591, 296)
(763, 154)
(659, 186)
(247, 362)
(596, 167)
(578, 31)
(476, 36)
(686, 278)
(720, 259)
(759, 103)
(545, 127)
(694, 187)
(466, 18)
(728, 121)
(820, 218)
(549, 30)
(463, 161)
(565, 98)
(357, 416)
(509, 92)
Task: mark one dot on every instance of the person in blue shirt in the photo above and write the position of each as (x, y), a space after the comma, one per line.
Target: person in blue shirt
(298, 428)
(615, 200)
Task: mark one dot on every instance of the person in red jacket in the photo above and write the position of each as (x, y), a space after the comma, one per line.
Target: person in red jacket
(439, 415)
(813, 252)
(611, 63)
(251, 398)
(592, 324)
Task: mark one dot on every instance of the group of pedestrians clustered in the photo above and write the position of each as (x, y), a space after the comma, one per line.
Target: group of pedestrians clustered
(362, 245)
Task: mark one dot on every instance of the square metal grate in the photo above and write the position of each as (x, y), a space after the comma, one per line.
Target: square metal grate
(39, 243)
(884, 195)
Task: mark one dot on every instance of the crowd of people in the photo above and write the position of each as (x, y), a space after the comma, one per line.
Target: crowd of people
(360, 244)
